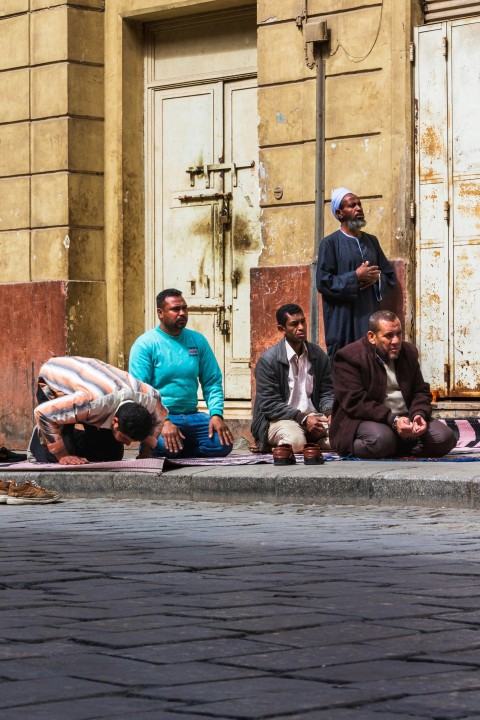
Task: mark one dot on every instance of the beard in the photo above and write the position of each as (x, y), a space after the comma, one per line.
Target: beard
(356, 224)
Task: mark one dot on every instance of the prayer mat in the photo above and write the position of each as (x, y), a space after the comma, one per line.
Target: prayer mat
(235, 459)
(467, 449)
(451, 457)
(232, 459)
(466, 431)
(149, 465)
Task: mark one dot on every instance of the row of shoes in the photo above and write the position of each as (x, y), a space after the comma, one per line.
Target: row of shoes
(27, 493)
(284, 455)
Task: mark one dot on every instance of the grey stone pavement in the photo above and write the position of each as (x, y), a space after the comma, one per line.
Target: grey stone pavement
(180, 610)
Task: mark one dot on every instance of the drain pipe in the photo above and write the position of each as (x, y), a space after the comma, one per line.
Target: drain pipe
(319, 190)
(316, 37)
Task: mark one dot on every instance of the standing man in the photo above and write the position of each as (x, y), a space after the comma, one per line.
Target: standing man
(113, 407)
(382, 403)
(174, 360)
(293, 387)
(353, 274)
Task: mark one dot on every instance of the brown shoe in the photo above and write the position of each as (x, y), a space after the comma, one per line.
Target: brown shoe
(283, 455)
(29, 494)
(312, 454)
(4, 485)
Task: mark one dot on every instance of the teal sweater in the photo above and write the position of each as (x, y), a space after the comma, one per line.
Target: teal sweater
(174, 365)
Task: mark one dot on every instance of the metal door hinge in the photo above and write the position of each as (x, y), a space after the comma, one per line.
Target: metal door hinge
(412, 52)
(446, 211)
(446, 374)
(445, 47)
(413, 210)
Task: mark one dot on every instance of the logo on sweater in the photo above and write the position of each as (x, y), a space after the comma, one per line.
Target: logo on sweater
(193, 351)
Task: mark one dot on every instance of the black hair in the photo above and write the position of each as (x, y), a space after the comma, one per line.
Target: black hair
(288, 309)
(134, 420)
(378, 317)
(169, 292)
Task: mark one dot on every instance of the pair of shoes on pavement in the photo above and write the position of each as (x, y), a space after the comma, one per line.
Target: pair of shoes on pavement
(26, 493)
(284, 455)
(8, 456)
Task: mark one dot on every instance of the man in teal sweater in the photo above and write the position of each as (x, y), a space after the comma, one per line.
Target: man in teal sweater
(174, 360)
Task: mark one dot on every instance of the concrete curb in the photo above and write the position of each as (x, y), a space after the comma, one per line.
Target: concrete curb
(455, 485)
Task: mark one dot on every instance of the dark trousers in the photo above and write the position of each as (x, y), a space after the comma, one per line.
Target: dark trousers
(94, 444)
(376, 440)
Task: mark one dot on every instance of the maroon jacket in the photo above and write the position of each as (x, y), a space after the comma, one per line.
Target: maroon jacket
(360, 383)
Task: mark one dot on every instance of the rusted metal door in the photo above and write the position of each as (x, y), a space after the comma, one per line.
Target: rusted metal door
(448, 205)
(204, 184)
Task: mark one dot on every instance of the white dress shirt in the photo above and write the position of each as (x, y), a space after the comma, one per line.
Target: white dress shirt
(300, 380)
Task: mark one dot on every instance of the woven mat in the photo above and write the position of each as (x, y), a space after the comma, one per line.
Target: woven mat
(149, 465)
(235, 459)
(466, 431)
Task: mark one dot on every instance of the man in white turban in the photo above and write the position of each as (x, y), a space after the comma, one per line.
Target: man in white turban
(353, 274)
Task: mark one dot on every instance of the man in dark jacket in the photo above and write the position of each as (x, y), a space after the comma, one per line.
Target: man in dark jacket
(382, 404)
(294, 393)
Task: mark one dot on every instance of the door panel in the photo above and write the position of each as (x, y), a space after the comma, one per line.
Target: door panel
(202, 181)
(449, 109)
(243, 243)
(465, 109)
(188, 244)
(432, 192)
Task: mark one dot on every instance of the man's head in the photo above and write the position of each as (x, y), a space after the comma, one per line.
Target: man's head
(291, 322)
(132, 422)
(172, 311)
(385, 332)
(350, 213)
(347, 208)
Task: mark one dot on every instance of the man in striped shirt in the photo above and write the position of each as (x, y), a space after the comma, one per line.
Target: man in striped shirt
(113, 407)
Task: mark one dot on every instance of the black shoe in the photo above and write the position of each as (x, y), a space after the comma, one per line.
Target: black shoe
(9, 456)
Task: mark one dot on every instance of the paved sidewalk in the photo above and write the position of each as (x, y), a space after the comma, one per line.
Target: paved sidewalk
(434, 484)
(169, 610)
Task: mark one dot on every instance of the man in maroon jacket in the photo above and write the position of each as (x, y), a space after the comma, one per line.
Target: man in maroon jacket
(382, 405)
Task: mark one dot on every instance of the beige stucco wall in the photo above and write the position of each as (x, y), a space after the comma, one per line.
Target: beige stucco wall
(368, 121)
(52, 156)
(72, 117)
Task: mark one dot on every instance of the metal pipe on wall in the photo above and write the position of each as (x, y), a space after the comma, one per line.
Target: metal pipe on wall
(319, 184)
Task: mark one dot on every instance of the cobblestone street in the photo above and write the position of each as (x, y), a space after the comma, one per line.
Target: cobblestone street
(180, 610)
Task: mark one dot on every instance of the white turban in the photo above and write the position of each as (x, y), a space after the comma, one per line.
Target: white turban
(337, 196)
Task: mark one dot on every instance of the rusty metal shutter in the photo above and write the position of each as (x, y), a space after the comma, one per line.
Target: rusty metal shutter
(437, 10)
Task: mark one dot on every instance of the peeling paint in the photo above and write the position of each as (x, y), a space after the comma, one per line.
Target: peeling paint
(431, 143)
(66, 242)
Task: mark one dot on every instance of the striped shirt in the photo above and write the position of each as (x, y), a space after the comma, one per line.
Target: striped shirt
(85, 390)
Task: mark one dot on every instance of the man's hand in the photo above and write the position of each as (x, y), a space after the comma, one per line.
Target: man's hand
(316, 425)
(172, 437)
(145, 452)
(404, 427)
(217, 425)
(367, 275)
(72, 460)
(419, 425)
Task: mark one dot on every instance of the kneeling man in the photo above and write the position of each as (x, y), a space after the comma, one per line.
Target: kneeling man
(382, 404)
(294, 393)
(112, 408)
